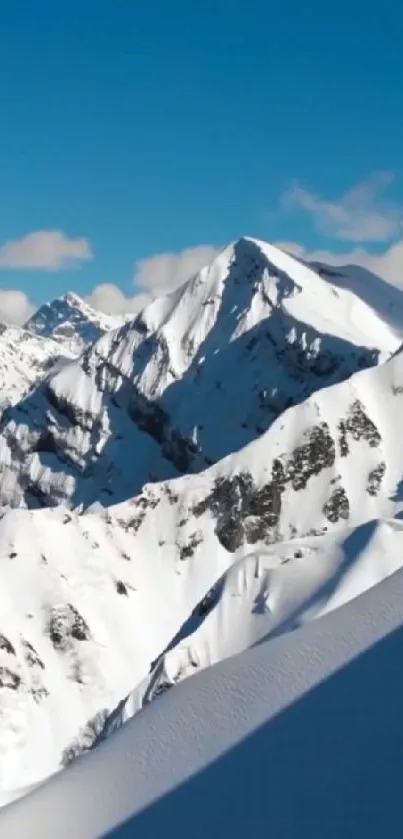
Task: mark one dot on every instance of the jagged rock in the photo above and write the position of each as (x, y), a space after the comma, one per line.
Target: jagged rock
(64, 624)
(375, 477)
(337, 507)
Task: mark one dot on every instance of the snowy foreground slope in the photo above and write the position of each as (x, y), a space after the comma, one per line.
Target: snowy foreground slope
(298, 738)
(266, 595)
(196, 376)
(91, 600)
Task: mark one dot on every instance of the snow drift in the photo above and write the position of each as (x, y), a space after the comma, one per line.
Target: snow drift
(299, 737)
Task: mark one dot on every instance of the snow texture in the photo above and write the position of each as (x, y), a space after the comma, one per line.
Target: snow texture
(213, 489)
(58, 332)
(300, 736)
(71, 321)
(25, 359)
(196, 376)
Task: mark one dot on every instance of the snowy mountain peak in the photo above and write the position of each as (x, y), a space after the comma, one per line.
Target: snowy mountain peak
(70, 320)
(200, 373)
(58, 331)
(73, 299)
(251, 280)
(221, 470)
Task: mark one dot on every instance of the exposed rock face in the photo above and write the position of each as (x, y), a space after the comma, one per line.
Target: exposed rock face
(66, 625)
(309, 459)
(241, 509)
(375, 478)
(244, 512)
(337, 507)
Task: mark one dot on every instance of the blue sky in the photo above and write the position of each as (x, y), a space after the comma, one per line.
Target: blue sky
(131, 129)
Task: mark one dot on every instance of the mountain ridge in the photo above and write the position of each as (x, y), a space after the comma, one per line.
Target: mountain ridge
(56, 333)
(120, 576)
(230, 338)
(97, 596)
(72, 321)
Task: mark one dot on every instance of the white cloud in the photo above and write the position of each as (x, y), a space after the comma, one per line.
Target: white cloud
(15, 307)
(362, 214)
(109, 298)
(166, 271)
(163, 272)
(46, 249)
(387, 265)
(153, 276)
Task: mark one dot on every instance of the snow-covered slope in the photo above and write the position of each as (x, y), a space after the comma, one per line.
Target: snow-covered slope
(198, 375)
(59, 330)
(97, 597)
(298, 511)
(84, 611)
(72, 322)
(383, 298)
(298, 738)
(267, 594)
(25, 359)
(81, 616)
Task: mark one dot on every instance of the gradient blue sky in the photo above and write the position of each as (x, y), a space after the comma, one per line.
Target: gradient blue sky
(149, 127)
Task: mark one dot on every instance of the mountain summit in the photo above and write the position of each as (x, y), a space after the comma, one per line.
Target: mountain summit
(214, 474)
(70, 320)
(59, 330)
(197, 375)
